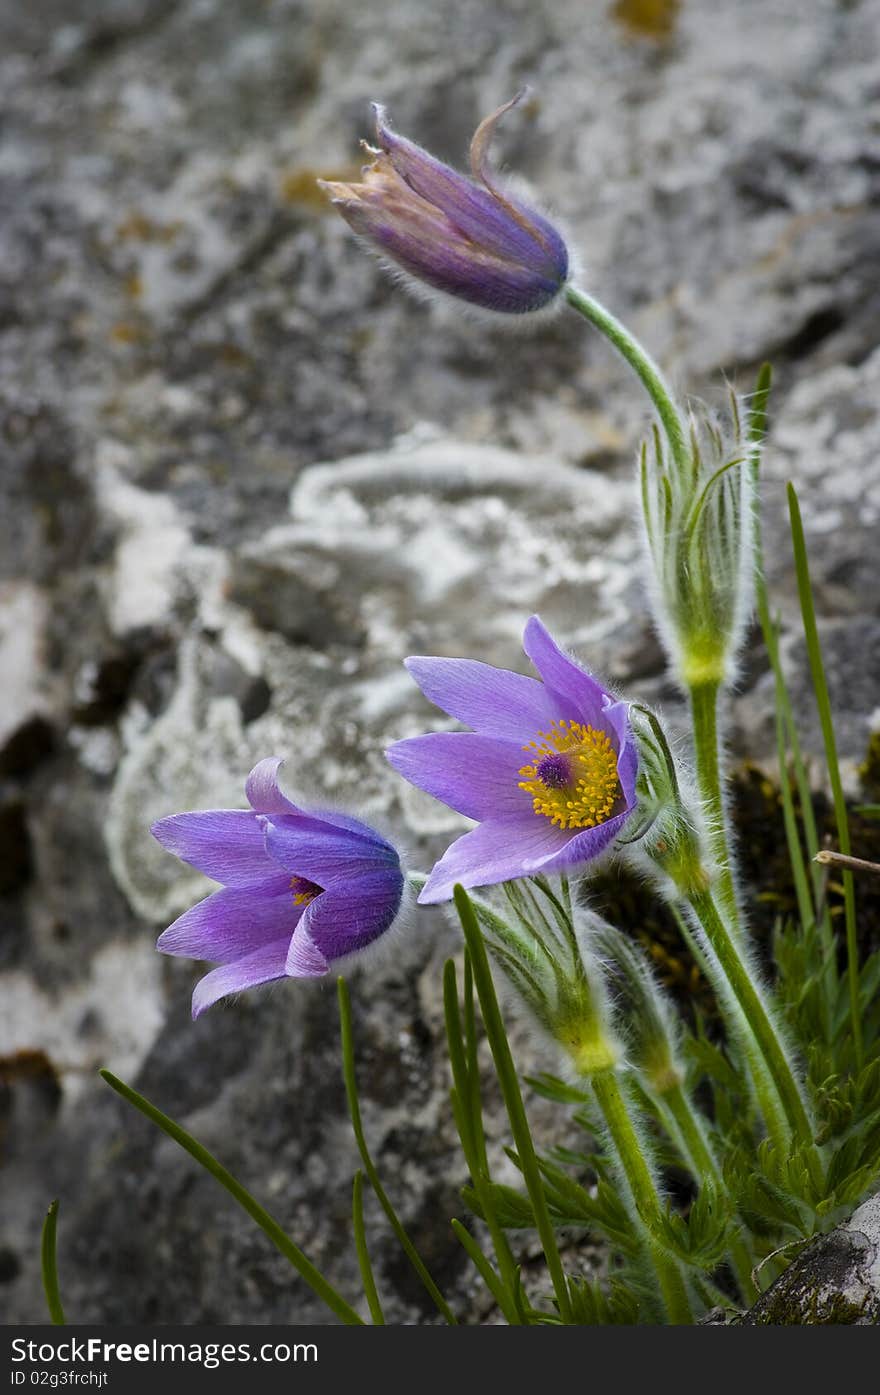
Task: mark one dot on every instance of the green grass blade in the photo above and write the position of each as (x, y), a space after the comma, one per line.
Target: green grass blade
(510, 1090)
(50, 1266)
(757, 426)
(468, 1120)
(783, 704)
(363, 1254)
(820, 688)
(485, 1270)
(475, 1101)
(802, 886)
(270, 1227)
(354, 1110)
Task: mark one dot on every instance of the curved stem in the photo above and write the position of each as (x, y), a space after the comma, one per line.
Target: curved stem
(643, 1188)
(765, 1093)
(641, 362)
(704, 1165)
(763, 1029)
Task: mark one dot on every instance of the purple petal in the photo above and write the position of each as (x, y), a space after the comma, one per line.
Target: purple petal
(263, 965)
(233, 922)
(494, 701)
(305, 847)
(486, 219)
(352, 914)
(584, 845)
(336, 819)
(425, 243)
(616, 718)
(304, 959)
(263, 791)
(474, 774)
(267, 798)
(498, 851)
(226, 844)
(576, 688)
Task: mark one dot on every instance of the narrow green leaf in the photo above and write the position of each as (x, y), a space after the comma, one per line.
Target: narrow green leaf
(486, 1272)
(467, 1112)
(789, 735)
(823, 702)
(354, 1109)
(475, 1100)
(363, 1254)
(280, 1239)
(512, 1097)
(50, 1266)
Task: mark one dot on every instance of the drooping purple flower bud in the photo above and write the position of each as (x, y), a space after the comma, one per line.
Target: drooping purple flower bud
(466, 237)
(300, 890)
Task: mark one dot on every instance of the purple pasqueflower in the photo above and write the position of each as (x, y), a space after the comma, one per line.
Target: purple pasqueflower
(299, 890)
(549, 769)
(463, 236)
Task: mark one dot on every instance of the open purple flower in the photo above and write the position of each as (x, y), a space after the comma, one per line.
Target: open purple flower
(299, 891)
(549, 769)
(463, 236)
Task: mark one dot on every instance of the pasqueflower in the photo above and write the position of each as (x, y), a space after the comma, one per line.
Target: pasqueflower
(299, 889)
(467, 237)
(549, 768)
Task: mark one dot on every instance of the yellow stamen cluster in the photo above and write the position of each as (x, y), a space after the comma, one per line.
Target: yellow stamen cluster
(303, 891)
(579, 791)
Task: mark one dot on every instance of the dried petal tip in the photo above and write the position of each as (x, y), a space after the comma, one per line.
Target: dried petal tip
(465, 237)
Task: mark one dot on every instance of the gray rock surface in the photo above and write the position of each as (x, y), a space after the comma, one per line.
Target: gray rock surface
(834, 1281)
(242, 475)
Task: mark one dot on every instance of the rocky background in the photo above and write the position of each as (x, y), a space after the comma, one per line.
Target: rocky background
(243, 475)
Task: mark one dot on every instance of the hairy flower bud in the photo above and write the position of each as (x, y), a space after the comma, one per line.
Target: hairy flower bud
(466, 237)
(700, 528)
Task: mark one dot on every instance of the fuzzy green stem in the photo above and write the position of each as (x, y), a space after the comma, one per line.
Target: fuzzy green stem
(704, 719)
(643, 1188)
(763, 1030)
(704, 1165)
(644, 366)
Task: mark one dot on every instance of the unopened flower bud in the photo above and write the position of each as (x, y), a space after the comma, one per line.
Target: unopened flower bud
(467, 237)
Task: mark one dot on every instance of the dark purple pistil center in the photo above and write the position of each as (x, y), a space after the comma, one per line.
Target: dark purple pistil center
(554, 772)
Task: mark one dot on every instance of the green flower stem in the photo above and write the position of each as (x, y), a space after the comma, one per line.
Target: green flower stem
(704, 1165)
(768, 1101)
(703, 699)
(762, 1029)
(641, 362)
(50, 1267)
(643, 1189)
(703, 696)
(507, 1079)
